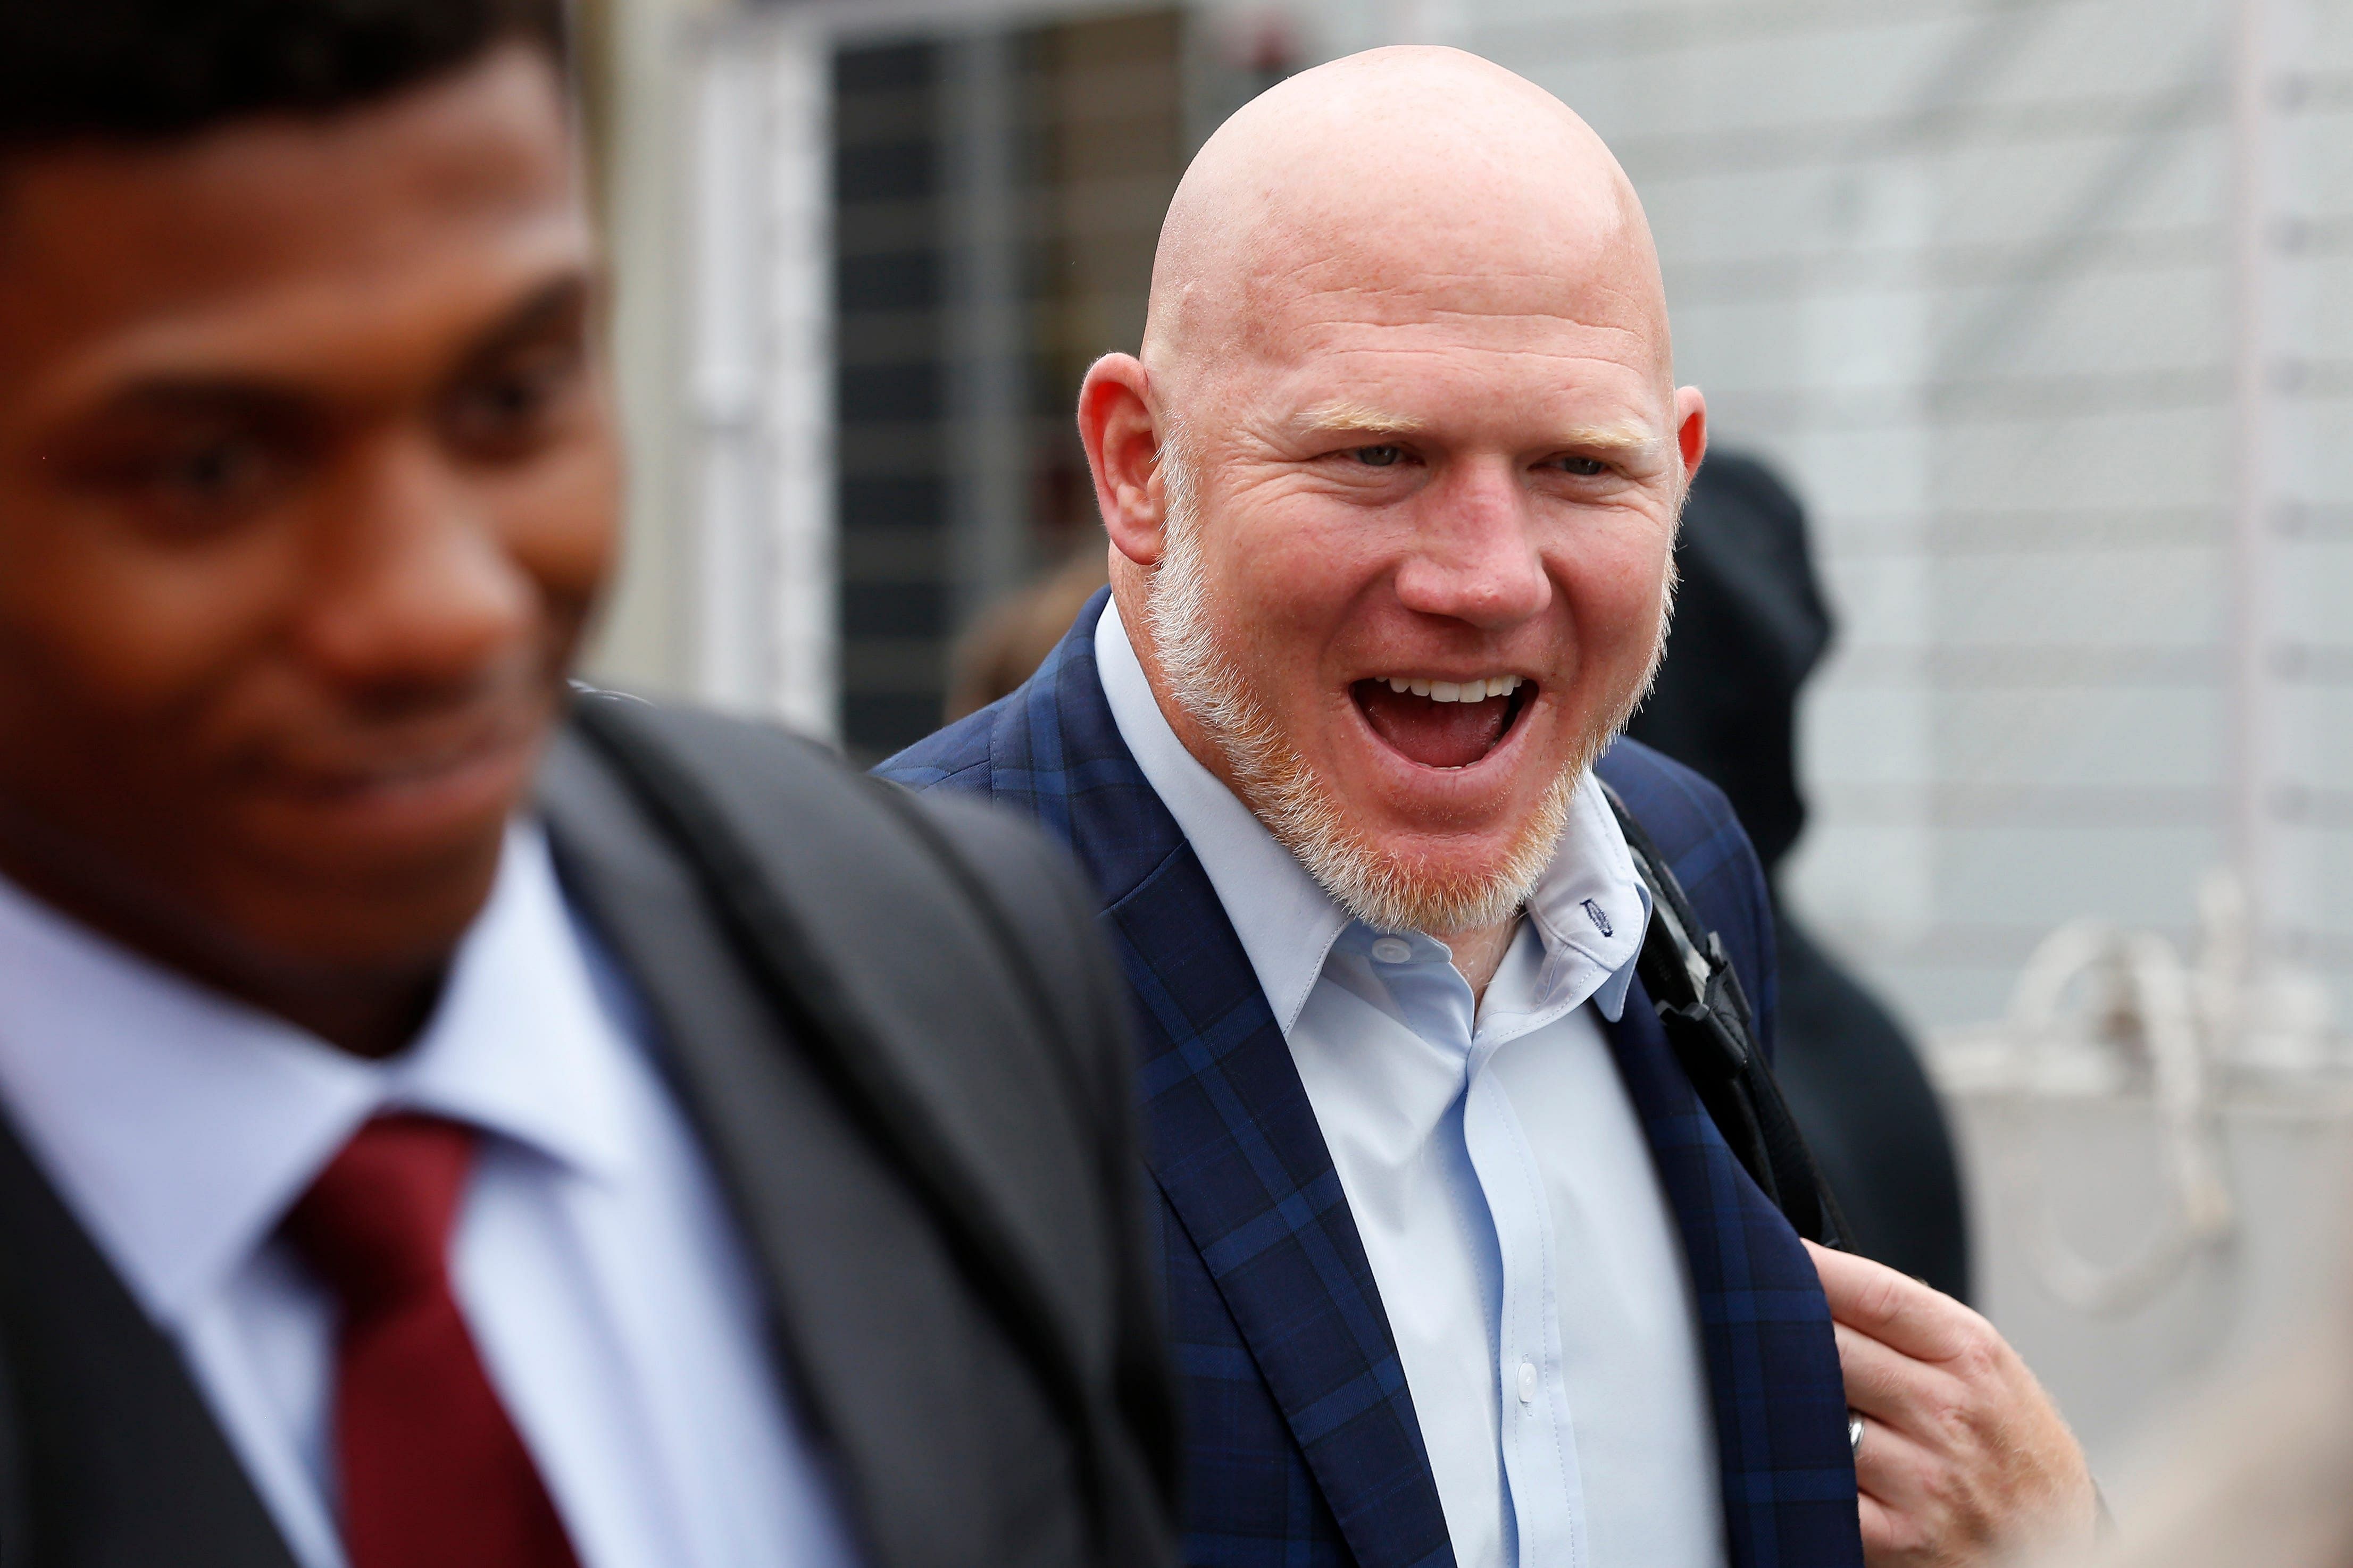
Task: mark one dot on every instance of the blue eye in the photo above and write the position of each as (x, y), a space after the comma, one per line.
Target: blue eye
(1378, 456)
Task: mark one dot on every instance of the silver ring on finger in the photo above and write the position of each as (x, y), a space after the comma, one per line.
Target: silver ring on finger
(1853, 1432)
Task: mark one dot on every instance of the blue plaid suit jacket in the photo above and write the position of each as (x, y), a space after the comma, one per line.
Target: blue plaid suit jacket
(1301, 1445)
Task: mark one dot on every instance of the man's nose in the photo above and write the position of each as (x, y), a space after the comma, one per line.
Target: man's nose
(411, 589)
(1474, 556)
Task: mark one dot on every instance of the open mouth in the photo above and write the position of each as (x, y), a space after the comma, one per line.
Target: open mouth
(1443, 723)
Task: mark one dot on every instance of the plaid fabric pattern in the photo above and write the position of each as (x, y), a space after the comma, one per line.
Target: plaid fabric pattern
(1773, 1371)
(1301, 1445)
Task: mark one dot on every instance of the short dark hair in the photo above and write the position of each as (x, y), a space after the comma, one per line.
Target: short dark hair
(162, 69)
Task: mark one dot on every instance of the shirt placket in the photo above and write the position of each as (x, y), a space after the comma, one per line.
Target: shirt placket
(1543, 1494)
(1537, 1436)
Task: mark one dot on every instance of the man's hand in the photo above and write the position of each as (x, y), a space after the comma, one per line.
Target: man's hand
(1964, 1458)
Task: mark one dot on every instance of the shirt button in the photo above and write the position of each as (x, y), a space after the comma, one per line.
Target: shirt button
(1527, 1383)
(1392, 950)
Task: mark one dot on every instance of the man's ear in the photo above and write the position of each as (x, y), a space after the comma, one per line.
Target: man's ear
(1124, 451)
(1691, 430)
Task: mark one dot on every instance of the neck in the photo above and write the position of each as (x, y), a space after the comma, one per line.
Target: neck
(374, 1016)
(1479, 953)
(1132, 590)
(367, 1010)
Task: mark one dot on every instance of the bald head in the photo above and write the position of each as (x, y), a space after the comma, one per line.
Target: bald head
(1409, 181)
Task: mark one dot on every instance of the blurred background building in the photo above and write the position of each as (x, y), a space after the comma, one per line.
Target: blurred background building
(2044, 307)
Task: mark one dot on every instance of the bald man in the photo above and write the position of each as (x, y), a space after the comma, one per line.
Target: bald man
(1458, 1269)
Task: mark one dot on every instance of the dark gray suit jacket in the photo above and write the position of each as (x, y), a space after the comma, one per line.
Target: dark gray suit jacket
(892, 1024)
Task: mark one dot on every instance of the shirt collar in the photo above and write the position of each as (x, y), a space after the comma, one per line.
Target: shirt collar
(180, 1125)
(1589, 909)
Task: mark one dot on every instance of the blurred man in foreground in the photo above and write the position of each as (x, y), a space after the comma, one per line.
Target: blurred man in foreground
(691, 1166)
(1458, 1268)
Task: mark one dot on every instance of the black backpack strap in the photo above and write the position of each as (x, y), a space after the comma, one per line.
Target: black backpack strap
(1708, 1022)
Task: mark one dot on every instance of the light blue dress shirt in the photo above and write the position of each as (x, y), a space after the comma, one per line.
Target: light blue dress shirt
(603, 1285)
(1526, 1256)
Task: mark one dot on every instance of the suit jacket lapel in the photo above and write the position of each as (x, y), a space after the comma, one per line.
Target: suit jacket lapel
(1230, 1134)
(1779, 1398)
(1773, 1371)
(111, 1453)
(833, 1243)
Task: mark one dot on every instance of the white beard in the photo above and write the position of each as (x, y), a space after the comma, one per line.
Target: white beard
(1385, 890)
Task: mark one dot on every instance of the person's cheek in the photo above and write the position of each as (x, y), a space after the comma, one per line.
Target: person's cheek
(141, 628)
(563, 533)
(1254, 564)
(1621, 592)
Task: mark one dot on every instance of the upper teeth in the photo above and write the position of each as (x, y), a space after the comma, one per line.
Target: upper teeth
(1457, 690)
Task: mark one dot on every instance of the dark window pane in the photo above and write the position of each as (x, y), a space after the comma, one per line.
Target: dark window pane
(874, 726)
(885, 68)
(892, 503)
(891, 393)
(892, 610)
(885, 170)
(897, 280)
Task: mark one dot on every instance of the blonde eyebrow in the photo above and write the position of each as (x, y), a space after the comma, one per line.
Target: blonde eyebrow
(1347, 418)
(1623, 436)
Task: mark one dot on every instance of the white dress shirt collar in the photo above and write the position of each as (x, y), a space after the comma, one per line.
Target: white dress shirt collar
(1589, 909)
(181, 1124)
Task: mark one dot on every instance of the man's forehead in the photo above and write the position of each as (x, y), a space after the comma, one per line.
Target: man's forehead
(317, 342)
(266, 233)
(1520, 384)
(1391, 270)
(1480, 308)
(347, 328)
(489, 147)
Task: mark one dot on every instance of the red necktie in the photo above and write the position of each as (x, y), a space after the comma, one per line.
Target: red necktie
(433, 1474)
